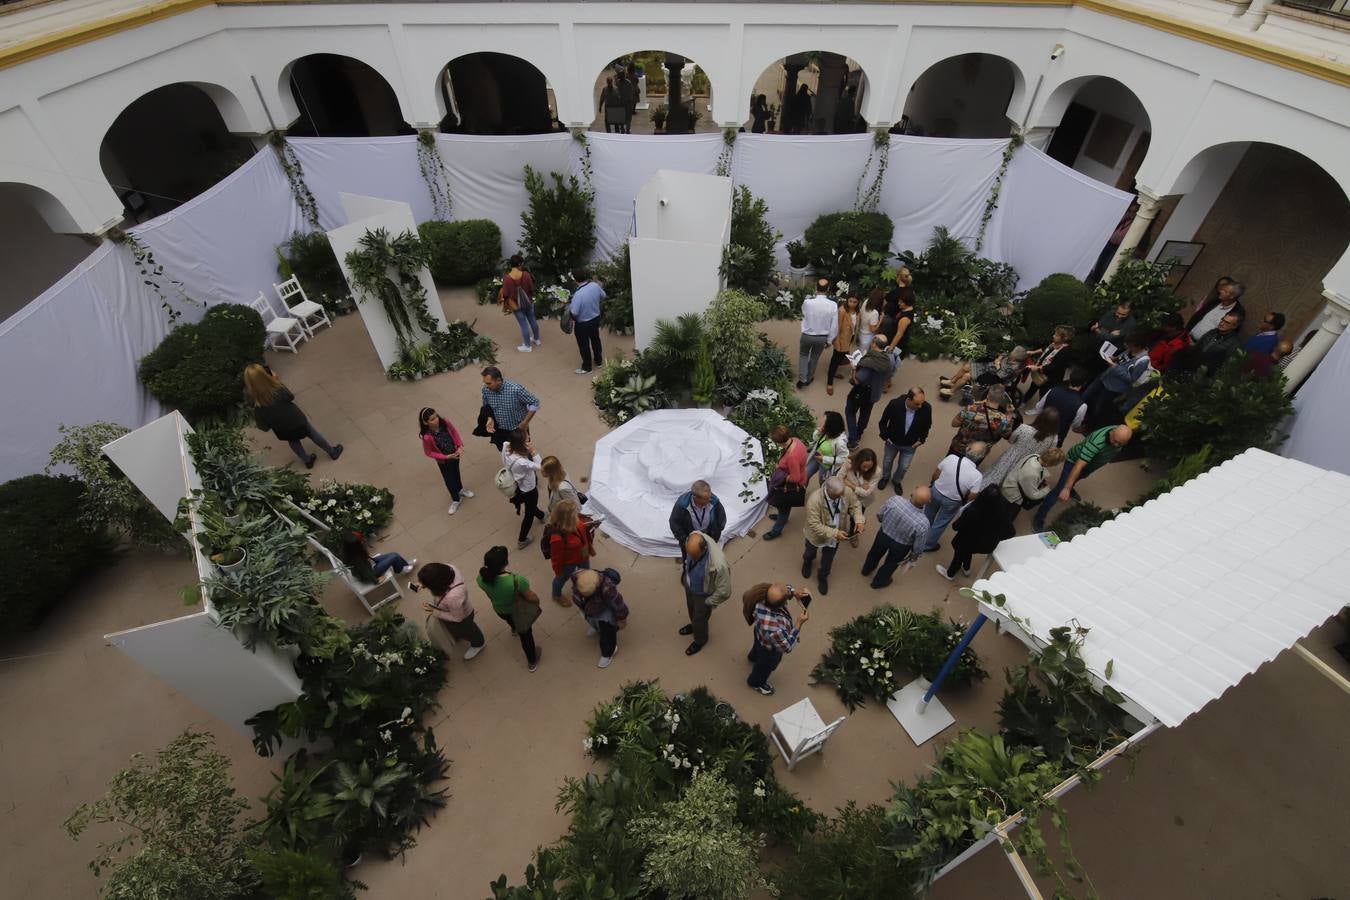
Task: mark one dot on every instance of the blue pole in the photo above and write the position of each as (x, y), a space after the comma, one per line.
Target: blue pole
(952, 658)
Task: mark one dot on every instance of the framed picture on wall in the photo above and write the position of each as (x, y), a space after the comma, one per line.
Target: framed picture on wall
(1182, 255)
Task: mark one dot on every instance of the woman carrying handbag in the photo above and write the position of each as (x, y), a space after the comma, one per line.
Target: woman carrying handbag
(517, 299)
(787, 484)
(512, 600)
(449, 607)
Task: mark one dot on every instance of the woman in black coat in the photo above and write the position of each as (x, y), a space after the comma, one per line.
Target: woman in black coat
(274, 410)
(985, 522)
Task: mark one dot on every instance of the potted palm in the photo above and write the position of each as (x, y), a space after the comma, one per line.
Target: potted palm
(799, 263)
(659, 114)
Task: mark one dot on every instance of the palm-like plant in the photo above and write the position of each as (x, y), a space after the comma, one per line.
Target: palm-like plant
(674, 350)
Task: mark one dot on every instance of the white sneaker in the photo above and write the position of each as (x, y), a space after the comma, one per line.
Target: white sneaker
(454, 507)
(604, 662)
(581, 371)
(473, 651)
(524, 348)
(466, 494)
(412, 564)
(942, 570)
(538, 343)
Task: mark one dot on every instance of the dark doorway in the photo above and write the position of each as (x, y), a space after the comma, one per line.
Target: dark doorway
(494, 93)
(1070, 134)
(342, 97)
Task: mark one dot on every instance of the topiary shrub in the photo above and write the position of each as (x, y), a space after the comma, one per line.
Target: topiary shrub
(48, 549)
(462, 252)
(748, 261)
(199, 369)
(557, 231)
(1058, 300)
(838, 244)
(310, 258)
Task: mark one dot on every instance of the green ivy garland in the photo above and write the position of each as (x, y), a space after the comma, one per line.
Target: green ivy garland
(724, 158)
(991, 203)
(295, 174)
(151, 271)
(579, 135)
(403, 297)
(868, 200)
(433, 173)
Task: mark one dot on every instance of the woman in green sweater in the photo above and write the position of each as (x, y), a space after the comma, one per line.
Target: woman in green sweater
(502, 586)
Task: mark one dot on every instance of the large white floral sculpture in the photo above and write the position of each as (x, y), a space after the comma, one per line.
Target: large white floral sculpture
(644, 465)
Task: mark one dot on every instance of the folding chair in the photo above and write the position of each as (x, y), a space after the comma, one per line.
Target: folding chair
(798, 731)
(279, 328)
(310, 314)
(364, 592)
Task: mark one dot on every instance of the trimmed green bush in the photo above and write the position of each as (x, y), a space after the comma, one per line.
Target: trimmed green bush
(1058, 300)
(310, 258)
(837, 244)
(48, 550)
(199, 369)
(462, 252)
(748, 260)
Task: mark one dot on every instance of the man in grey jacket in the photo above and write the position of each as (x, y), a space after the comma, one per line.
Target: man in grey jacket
(706, 576)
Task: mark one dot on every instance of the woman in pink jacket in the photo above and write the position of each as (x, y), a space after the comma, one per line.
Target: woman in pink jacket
(442, 443)
(449, 606)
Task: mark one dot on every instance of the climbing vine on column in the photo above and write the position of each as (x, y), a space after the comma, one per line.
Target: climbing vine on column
(991, 204)
(295, 174)
(433, 173)
(579, 135)
(880, 151)
(724, 158)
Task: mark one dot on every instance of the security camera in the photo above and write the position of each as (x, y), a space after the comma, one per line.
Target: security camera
(1057, 52)
(665, 202)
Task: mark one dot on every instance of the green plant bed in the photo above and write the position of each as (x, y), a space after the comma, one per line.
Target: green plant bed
(199, 369)
(1079, 518)
(757, 414)
(1144, 286)
(49, 548)
(345, 506)
(785, 303)
(616, 274)
(624, 388)
(748, 261)
(838, 244)
(462, 252)
(558, 227)
(488, 289)
(848, 857)
(310, 258)
(447, 351)
(1229, 412)
(874, 655)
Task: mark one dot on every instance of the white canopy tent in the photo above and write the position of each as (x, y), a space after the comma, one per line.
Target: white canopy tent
(644, 465)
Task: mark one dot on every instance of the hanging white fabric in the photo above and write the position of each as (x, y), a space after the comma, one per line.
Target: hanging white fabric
(1050, 218)
(1320, 434)
(937, 181)
(384, 167)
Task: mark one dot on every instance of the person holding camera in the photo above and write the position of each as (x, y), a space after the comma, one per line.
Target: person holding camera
(775, 632)
(833, 514)
(449, 606)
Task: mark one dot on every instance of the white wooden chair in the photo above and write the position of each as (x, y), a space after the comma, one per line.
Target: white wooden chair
(366, 593)
(279, 328)
(310, 314)
(798, 731)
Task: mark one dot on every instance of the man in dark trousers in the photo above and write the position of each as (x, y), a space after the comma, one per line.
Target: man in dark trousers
(904, 427)
(1067, 400)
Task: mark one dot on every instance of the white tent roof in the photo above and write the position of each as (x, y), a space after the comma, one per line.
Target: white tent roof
(1189, 593)
(644, 465)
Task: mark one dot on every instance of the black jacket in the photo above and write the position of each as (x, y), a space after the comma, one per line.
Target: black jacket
(282, 417)
(1209, 304)
(682, 521)
(892, 425)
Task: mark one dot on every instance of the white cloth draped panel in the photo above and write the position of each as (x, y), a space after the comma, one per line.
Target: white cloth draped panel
(1320, 434)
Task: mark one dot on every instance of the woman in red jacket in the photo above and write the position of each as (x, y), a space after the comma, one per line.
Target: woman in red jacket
(569, 546)
(442, 443)
(787, 485)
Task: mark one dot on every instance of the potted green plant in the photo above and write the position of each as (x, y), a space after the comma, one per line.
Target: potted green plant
(659, 114)
(221, 540)
(799, 262)
(705, 379)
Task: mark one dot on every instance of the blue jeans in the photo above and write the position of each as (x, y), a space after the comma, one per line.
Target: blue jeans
(765, 661)
(383, 562)
(940, 511)
(887, 551)
(561, 580)
(528, 323)
(781, 522)
(1038, 520)
(888, 454)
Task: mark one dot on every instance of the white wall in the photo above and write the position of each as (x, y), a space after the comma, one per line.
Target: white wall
(1199, 196)
(32, 256)
(1105, 96)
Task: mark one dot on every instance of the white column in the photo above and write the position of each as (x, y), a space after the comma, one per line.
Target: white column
(1148, 209)
(1332, 327)
(1255, 15)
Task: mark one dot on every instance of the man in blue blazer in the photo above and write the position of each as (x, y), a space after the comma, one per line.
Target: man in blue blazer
(904, 427)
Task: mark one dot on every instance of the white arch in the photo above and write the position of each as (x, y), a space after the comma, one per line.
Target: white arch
(52, 208)
(710, 56)
(752, 70)
(290, 111)
(440, 99)
(1015, 101)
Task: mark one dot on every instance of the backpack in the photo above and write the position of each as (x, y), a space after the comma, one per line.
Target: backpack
(505, 483)
(613, 575)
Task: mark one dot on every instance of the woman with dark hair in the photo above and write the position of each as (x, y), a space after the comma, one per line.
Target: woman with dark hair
(828, 449)
(274, 410)
(759, 112)
(1051, 363)
(519, 458)
(449, 606)
(367, 568)
(442, 442)
(1027, 439)
(503, 587)
(517, 298)
(861, 474)
(787, 484)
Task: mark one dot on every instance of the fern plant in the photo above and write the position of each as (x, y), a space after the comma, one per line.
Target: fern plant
(674, 349)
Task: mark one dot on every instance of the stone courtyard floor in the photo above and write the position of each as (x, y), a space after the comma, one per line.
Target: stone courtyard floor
(1245, 800)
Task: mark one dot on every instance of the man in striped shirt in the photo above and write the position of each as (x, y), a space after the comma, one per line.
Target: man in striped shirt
(904, 526)
(775, 633)
(1083, 458)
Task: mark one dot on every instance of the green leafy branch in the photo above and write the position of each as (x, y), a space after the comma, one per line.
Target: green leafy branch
(433, 173)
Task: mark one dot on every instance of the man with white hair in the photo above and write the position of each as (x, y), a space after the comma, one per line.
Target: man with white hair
(956, 480)
(833, 514)
(698, 509)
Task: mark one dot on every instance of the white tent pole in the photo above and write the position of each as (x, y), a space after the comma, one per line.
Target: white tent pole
(1020, 868)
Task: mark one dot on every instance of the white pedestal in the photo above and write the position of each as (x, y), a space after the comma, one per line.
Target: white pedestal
(920, 723)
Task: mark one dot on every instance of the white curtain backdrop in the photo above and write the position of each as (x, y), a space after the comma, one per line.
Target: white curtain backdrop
(622, 163)
(384, 167)
(487, 175)
(70, 357)
(222, 243)
(1320, 433)
(937, 181)
(1050, 218)
(800, 178)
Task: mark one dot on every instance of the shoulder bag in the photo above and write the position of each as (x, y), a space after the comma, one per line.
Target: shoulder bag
(510, 295)
(523, 613)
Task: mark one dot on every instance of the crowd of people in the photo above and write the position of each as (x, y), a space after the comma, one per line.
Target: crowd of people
(1015, 416)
